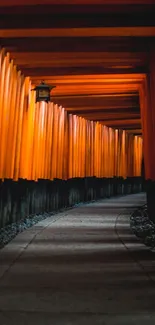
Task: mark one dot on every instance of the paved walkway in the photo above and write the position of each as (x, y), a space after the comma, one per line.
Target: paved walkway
(84, 267)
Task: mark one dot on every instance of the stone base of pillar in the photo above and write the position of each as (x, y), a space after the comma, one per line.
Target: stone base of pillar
(27, 198)
(150, 190)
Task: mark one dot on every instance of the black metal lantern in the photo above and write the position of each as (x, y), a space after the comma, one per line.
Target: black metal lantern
(43, 92)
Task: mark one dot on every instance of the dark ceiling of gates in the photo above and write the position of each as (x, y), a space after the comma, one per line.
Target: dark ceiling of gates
(96, 55)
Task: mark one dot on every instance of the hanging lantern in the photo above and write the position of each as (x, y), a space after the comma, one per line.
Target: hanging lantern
(43, 92)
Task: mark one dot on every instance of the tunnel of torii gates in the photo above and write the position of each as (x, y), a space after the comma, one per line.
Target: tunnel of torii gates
(42, 141)
(53, 155)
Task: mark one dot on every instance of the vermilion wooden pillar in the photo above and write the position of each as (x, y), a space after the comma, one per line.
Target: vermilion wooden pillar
(147, 103)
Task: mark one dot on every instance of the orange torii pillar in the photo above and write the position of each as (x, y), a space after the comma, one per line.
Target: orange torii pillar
(147, 104)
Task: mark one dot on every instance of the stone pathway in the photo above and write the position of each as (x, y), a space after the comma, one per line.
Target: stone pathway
(83, 267)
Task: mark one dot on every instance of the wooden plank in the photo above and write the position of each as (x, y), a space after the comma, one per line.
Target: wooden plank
(112, 117)
(65, 79)
(12, 3)
(41, 72)
(77, 45)
(62, 56)
(79, 32)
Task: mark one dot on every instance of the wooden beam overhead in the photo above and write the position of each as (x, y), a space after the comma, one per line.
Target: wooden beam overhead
(94, 78)
(77, 45)
(124, 122)
(104, 110)
(112, 117)
(79, 32)
(62, 60)
(135, 131)
(89, 70)
(91, 91)
(111, 114)
(12, 3)
(89, 102)
(109, 94)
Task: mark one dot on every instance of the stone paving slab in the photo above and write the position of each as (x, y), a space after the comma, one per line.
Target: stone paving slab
(86, 267)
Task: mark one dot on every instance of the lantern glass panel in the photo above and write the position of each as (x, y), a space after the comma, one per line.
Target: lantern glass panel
(43, 93)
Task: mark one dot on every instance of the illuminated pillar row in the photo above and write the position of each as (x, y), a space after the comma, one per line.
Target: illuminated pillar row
(43, 141)
(147, 105)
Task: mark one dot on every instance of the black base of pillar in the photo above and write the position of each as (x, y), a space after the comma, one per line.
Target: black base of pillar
(27, 198)
(150, 190)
